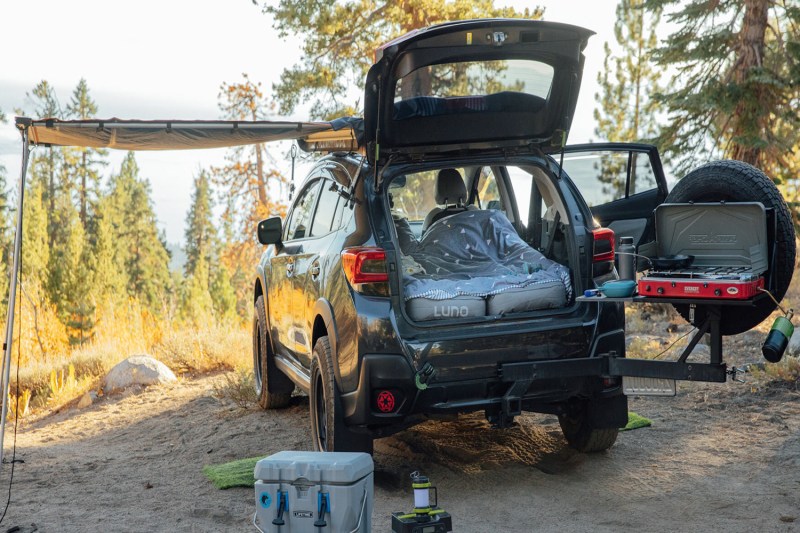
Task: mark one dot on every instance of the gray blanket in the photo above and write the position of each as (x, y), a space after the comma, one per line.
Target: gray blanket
(475, 253)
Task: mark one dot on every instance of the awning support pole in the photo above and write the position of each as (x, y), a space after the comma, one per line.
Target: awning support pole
(12, 289)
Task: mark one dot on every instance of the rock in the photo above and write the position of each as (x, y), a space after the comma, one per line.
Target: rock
(701, 349)
(642, 341)
(794, 344)
(85, 401)
(137, 370)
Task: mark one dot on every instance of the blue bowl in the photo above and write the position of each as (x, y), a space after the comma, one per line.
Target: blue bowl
(622, 288)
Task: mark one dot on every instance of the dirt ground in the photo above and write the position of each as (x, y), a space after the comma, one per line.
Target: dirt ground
(717, 458)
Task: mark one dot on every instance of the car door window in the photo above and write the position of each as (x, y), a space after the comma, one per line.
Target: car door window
(605, 176)
(323, 218)
(300, 217)
(488, 194)
(642, 176)
(521, 182)
(414, 198)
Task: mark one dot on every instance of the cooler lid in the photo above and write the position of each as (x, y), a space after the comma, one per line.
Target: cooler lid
(716, 234)
(316, 467)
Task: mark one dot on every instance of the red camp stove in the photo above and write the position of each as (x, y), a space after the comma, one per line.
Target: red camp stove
(727, 244)
(736, 283)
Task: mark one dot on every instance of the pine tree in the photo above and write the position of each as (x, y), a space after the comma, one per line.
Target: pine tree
(109, 283)
(35, 250)
(735, 90)
(142, 253)
(196, 302)
(627, 112)
(249, 182)
(202, 254)
(45, 167)
(201, 235)
(341, 37)
(223, 295)
(86, 172)
(68, 268)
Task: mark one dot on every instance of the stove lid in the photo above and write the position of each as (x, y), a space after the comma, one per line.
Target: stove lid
(716, 234)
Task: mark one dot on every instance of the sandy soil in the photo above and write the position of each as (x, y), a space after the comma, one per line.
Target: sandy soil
(718, 458)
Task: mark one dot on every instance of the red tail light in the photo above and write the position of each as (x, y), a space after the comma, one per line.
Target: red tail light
(603, 245)
(364, 265)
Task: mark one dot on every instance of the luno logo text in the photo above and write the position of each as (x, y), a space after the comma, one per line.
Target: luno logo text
(450, 311)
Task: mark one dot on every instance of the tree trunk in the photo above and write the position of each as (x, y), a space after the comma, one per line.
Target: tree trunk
(262, 180)
(83, 190)
(750, 55)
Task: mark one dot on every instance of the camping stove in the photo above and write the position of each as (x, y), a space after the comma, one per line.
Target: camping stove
(733, 283)
(727, 244)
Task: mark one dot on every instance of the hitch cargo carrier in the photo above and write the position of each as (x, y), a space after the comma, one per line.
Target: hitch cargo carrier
(646, 377)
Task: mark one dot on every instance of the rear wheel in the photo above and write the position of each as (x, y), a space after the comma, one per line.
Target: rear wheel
(736, 181)
(580, 432)
(273, 387)
(328, 430)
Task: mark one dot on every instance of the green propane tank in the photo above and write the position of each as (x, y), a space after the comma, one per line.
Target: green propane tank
(778, 338)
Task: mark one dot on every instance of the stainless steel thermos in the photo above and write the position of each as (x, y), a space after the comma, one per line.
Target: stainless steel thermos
(626, 255)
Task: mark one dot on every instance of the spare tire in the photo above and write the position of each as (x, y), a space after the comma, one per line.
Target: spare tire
(736, 181)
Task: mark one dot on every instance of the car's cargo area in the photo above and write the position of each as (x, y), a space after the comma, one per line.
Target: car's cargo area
(473, 264)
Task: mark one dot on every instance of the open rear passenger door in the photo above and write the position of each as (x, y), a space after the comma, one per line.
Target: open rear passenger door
(622, 183)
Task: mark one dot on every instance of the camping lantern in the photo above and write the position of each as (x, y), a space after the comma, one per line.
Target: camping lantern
(426, 518)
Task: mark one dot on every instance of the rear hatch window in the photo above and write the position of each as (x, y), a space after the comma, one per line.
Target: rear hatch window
(473, 87)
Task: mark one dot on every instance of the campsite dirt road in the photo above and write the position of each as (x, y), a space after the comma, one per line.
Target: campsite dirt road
(718, 458)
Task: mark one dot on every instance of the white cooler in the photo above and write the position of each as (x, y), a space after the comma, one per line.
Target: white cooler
(314, 492)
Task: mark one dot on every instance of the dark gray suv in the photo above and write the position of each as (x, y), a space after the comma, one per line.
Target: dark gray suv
(432, 266)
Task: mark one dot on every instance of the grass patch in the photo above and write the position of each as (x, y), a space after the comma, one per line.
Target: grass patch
(200, 350)
(636, 421)
(787, 371)
(234, 474)
(59, 378)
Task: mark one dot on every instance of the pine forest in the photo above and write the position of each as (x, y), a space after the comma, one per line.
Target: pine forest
(701, 79)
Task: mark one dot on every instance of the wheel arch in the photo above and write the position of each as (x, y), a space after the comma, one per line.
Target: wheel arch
(258, 290)
(325, 324)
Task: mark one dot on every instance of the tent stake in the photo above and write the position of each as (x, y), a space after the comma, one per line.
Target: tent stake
(12, 289)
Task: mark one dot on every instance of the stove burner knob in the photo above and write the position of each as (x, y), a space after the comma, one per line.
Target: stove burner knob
(673, 285)
(660, 290)
(647, 288)
(705, 285)
(717, 292)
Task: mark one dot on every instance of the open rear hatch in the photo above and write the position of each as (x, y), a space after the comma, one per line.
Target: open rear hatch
(474, 86)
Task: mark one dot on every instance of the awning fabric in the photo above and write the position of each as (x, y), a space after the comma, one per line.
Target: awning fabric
(174, 134)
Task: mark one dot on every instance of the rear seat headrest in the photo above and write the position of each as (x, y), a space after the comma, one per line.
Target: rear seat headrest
(450, 188)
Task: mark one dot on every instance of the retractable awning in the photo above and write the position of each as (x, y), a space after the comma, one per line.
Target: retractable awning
(187, 134)
(341, 134)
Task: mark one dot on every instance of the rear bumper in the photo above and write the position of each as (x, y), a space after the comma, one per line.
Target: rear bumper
(394, 374)
(541, 386)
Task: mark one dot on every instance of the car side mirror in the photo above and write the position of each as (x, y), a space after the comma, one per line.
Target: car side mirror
(269, 230)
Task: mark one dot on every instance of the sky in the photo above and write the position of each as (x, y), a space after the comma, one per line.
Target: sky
(166, 59)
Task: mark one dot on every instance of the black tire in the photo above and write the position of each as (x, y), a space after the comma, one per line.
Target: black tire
(273, 387)
(581, 436)
(328, 431)
(736, 181)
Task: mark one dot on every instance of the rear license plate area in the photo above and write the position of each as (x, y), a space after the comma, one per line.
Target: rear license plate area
(636, 386)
